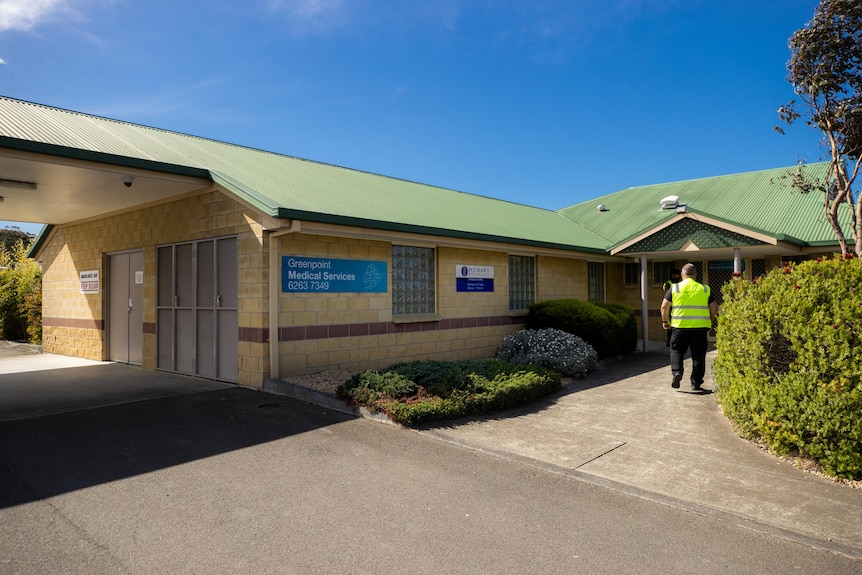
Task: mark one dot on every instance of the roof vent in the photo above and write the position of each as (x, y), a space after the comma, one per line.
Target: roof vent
(602, 208)
(669, 203)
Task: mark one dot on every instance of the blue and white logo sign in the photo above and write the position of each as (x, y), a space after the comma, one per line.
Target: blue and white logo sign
(329, 275)
(474, 278)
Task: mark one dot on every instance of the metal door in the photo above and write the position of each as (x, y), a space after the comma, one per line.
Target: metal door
(197, 308)
(125, 307)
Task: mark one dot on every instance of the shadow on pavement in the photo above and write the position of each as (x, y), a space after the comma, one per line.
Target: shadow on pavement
(46, 456)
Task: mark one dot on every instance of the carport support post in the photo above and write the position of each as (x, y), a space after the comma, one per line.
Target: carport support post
(644, 304)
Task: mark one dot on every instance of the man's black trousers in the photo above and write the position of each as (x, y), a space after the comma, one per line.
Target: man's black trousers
(681, 340)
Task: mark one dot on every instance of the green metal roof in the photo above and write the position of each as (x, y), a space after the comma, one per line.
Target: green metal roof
(753, 201)
(288, 187)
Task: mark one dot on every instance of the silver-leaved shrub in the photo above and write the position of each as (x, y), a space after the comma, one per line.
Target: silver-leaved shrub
(554, 349)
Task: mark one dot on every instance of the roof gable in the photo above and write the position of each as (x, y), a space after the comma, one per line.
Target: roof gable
(688, 234)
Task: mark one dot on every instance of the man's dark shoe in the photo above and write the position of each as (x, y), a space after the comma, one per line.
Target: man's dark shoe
(696, 387)
(677, 377)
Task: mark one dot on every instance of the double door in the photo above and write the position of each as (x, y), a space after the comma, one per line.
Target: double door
(197, 308)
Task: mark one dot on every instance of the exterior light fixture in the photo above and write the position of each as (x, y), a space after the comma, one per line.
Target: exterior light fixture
(18, 184)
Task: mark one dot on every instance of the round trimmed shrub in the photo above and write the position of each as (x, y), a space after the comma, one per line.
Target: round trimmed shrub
(789, 364)
(600, 326)
(563, 352)
(627, 336)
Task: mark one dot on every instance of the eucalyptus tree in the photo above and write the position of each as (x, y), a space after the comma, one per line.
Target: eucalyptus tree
(825, 70)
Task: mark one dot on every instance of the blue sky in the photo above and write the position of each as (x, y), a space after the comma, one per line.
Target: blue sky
(546, 103)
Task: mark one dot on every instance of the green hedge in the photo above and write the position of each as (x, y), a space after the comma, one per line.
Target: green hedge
(415, 392)
(610, 328)
(789, 364)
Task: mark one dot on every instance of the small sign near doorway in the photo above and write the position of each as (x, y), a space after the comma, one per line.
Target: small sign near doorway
(90, 281)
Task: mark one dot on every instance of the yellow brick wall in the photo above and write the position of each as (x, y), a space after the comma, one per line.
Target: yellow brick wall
(81, 247)
(559, 278)
(452, 303)
(303, 309)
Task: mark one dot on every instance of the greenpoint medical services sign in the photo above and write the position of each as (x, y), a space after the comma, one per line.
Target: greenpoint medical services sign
(328, 275)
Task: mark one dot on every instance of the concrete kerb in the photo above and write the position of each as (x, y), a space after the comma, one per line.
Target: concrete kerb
(553, 419)
(320, 399)
(491, 443)
(654, 497)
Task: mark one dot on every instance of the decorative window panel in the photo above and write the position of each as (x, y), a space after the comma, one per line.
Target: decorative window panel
(522, 282)
(413, 280)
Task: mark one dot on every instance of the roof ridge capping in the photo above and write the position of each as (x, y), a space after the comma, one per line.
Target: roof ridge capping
(676, 183)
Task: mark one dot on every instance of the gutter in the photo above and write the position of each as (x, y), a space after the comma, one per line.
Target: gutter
(294, 227)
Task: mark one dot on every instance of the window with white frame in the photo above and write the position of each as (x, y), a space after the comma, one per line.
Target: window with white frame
(413, 280)
(595, 281)
(522, 282)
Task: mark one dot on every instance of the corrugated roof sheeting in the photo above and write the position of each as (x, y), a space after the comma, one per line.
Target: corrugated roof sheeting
(754, 200)
(273, 180)
(758, 201)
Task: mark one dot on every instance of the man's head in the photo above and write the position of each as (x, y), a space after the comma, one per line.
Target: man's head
(674, 274)
(689, 271)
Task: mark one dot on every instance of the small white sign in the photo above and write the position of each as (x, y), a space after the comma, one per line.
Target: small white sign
(139, 278)
(474, 272)
(90, 281)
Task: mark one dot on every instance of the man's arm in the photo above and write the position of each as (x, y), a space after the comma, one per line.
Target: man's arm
(713, 310)
(665, 313)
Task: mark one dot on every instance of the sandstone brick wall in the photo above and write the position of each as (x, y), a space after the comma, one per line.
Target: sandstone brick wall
(316, 331)
(357, 331)
(74, 323)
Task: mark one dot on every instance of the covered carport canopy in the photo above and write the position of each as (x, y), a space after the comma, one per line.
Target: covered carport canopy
(53, 185)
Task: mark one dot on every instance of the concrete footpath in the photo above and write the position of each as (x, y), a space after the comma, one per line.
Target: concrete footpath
(623, 428)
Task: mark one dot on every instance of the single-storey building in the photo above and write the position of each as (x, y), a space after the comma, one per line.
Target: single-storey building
(199, 257)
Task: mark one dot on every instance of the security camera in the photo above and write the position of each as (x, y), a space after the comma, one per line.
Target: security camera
(128, 181)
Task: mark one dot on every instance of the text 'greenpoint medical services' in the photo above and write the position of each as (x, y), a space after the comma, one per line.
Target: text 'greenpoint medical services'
(329, 275)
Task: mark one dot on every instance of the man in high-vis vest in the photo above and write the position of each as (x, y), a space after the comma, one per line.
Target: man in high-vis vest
(689, 309)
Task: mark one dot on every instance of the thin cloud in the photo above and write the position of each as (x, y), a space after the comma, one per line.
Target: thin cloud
(181, 99)
(25, 14)
(313, 16)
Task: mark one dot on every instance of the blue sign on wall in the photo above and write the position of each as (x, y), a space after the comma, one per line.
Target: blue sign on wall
(328, 275)
(474, 278)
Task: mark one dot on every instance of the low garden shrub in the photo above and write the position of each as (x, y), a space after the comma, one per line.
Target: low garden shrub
(411, 393)
(606, 327)
(789, 364)
(554, 349)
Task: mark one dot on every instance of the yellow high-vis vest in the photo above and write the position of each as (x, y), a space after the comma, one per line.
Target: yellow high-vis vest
(690, 305)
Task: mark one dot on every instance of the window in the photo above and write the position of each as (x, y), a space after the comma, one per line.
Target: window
(413, 280)
(522, 282)
(661, 271)
(631, 274)
(595, 281)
